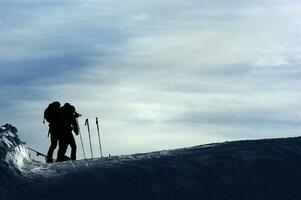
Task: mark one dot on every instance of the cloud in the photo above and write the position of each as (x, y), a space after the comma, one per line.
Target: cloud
(159, 74)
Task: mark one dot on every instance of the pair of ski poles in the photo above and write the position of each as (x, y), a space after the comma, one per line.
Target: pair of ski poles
(89, 133)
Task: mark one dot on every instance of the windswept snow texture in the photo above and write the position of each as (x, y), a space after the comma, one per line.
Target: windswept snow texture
(13, 156)
(244, 170)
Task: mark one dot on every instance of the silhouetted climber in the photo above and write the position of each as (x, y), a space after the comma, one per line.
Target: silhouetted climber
(68, 123)
(51, 114)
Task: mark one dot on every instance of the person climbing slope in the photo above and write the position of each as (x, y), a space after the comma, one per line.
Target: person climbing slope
(52, 116)
(68, 123)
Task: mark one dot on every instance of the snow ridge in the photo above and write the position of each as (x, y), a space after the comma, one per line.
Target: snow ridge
(13, 156)
(243, 170)
(12, 150)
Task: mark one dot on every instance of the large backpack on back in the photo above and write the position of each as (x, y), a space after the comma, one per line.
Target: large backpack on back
(68, 117)
(51, 112)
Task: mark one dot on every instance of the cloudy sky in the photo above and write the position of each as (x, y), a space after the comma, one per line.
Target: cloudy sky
(159, 74)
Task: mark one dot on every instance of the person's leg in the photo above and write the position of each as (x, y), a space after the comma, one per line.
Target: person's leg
(63, 144)
(73, 147)
(53, 145)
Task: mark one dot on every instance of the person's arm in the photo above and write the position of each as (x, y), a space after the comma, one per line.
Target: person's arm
(75, 126)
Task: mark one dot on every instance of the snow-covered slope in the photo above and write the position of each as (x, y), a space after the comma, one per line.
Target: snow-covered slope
(13, 156)
(243, 170)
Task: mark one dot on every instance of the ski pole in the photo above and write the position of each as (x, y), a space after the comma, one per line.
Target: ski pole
(87, 124)
(37, 152)
(81, 139)
(98, 137)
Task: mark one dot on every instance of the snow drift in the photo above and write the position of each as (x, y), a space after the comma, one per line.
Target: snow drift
(243, 170)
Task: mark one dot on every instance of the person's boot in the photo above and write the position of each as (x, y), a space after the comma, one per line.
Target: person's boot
(66, 158)
(49, 160)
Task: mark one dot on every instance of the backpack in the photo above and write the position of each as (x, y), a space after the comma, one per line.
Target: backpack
(69, 117)
(51, 112)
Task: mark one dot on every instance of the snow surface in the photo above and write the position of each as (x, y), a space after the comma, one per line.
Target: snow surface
(243, 170)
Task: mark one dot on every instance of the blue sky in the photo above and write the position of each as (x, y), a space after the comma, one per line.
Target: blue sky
(160, 75)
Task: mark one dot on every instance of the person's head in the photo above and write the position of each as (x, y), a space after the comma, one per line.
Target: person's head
(69, 109)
